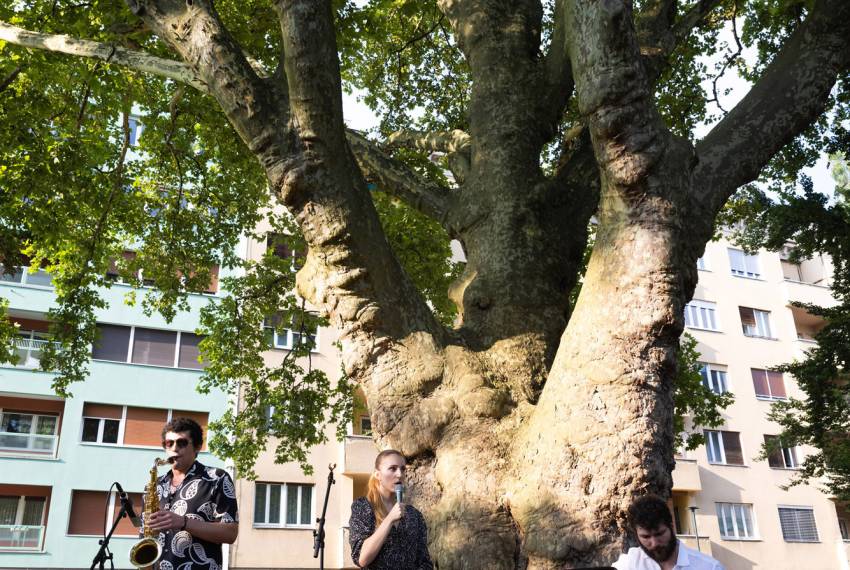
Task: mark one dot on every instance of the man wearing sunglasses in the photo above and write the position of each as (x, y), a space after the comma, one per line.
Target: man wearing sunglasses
(198, 503)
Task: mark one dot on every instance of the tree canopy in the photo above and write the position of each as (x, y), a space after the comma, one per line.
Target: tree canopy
(527, 414)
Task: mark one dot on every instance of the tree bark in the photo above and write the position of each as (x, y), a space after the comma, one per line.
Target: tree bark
(529, 428)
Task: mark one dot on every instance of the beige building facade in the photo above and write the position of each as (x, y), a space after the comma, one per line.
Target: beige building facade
(726, 500)
(742, 317)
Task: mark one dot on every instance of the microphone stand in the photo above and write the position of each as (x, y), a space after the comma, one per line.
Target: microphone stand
(103, 553)
(319, 533)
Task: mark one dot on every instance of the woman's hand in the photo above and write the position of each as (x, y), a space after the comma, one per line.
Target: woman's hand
(396, 513)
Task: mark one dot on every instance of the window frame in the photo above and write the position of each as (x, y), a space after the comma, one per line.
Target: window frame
(762, 323)
(131, 348)
(716, 446)
(798, 509)
(709, 378)
(32, 434)
(20, 511)
(697, 305)
(123, 423)
(769, 396)
(749, 267)
(745, 508)
(785, 453)
(101, 428)
(284, 494)
(844, 529)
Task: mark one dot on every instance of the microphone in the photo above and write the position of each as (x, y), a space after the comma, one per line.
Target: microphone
(399, 491)
(127, 504)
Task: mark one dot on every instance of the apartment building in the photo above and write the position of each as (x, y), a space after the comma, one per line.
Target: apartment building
(725, 497)
(59, 457)
(278, 510)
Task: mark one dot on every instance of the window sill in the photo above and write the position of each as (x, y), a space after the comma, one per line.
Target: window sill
(120, 446)
(24, 550)
(784, 468)
(741, 539)
(802, 541)
(770, 399)
(282, 527)
(727, 464)
(705, 330)
(760, 337)
(13, 455)
(749, 278)
(157, 366)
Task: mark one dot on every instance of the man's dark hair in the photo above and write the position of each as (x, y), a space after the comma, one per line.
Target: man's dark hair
(178, 425)
(650, 512)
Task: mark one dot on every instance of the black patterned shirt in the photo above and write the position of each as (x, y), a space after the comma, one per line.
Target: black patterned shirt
(406, 547)
(206, 494)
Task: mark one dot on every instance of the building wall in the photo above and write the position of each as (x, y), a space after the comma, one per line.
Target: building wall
(281, 546)
(87, 466)
(755, 482)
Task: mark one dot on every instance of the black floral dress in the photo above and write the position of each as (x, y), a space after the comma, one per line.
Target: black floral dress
(206, 494)
(406, 547)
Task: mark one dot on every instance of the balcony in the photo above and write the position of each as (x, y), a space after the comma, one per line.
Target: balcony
(29, 350)
(27, 443)
(359, 454)
(686, 475)
(806, 325)
(21, 537)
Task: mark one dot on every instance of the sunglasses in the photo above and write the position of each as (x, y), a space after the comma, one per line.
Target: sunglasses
(180, 441)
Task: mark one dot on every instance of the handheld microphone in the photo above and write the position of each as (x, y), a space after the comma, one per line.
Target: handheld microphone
(399, 491)
(128, 506)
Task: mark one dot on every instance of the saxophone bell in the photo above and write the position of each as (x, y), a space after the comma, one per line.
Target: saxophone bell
(147, 551)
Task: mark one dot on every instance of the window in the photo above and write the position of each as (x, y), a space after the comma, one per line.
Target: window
(843, 529)
(780, 457)
(283, 505)
(28, 433)
(701, 315)
(736, 521)
(129, 425)
(755, 322)
(190, 352)
(768, 384)
(365, 425)
(21, 522)
(287, 338)
(744, 264)
(149, 346)
(112, 344)
(28, 346)
(724, 447)
(101, 423)
(714, 378)
(702, 265)
(280, 244)
(798, 524)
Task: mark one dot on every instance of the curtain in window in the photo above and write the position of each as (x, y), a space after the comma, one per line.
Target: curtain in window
(8, 509)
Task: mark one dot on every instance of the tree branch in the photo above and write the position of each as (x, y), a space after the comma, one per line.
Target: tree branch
(456, 144)
(559, 75)
(109, 53)
(791, 93)
(257, 108)
(659, 36)
(399, 180)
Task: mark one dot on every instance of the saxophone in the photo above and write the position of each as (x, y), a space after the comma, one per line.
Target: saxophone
(147, 551)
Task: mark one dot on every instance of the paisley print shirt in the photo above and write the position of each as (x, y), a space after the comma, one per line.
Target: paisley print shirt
(206, 494)
(406, 547)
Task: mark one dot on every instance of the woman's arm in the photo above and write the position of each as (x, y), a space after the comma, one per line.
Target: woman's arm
(372, 545)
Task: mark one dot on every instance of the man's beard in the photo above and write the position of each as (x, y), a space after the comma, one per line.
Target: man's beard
(662, 553)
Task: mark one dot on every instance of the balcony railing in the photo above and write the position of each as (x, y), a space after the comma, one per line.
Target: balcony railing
(20, 537)
(29, 351)
(27, 443)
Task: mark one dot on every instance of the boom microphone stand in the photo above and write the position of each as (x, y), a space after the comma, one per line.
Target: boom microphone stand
(319, 533)
(103, 553)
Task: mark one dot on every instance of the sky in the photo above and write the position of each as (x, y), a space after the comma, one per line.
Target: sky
(358, 116)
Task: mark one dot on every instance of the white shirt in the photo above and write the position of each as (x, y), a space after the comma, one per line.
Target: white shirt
(688, 559)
